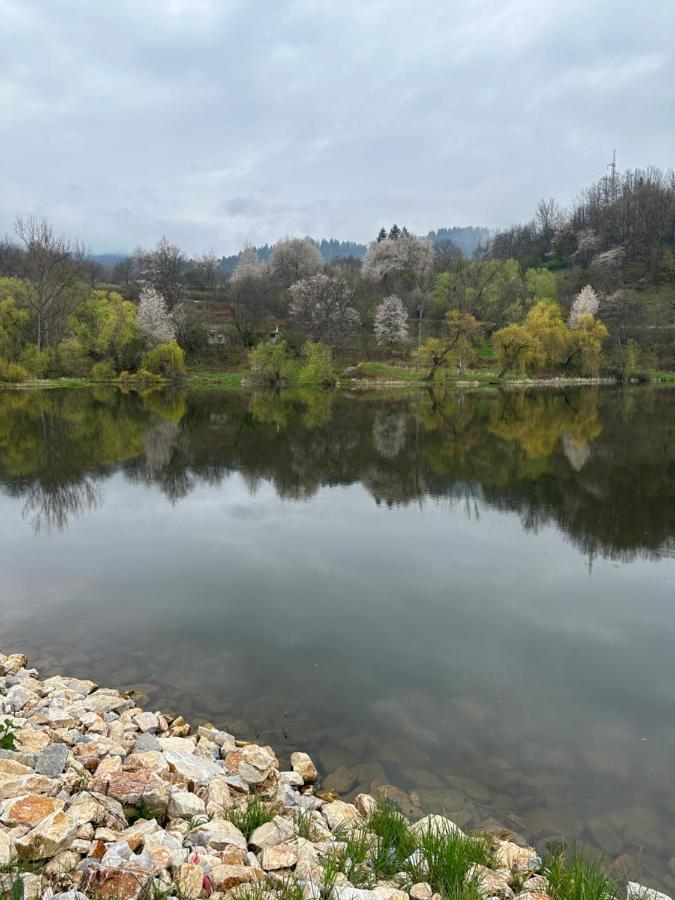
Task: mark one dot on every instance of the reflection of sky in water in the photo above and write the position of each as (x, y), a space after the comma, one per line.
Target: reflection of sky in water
(494, 660)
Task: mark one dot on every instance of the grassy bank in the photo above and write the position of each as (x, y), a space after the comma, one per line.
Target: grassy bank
(369, 375)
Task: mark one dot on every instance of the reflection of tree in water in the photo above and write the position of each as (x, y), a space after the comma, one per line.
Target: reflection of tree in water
(48, 506)
(389, 431)
(596, 464)
(577, 454)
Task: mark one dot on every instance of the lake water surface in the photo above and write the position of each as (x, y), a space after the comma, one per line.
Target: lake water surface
(468, 597)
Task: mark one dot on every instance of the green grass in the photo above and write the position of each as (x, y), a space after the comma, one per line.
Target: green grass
(222, 380)
(351, 859)
(260, 890)
(395, 842)
(389, 372)
(250, 816)
(574, 877)
(444, 857)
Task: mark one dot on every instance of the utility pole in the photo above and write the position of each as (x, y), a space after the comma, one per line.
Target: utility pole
(612, 177)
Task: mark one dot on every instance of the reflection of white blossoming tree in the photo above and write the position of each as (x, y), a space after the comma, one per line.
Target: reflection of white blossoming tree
(577, 454)
(389, 430)
(391, 322)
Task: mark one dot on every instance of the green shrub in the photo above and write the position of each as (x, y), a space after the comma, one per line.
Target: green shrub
(142, 377)
(167, 360)
(12, 372)
(267, 360)
(69, 359)
(103, 371)
(35, 361)
(318, 367)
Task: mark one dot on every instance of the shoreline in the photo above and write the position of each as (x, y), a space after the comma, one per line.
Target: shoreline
(102, 797)
(241, 381)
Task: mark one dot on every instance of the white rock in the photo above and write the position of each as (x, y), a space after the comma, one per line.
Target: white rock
(435, 825)
(197, 770)
(185, 805)
(636, 891)
(217, 834)
(303, 765)
(278, 831)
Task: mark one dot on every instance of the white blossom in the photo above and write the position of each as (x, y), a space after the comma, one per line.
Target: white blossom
(248, 267)
(391, 321)
(153, 317)
(320, 306)
(585, 303)
(293, 259)
(405, 253)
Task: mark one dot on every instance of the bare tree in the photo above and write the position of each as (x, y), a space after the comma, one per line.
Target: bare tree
(248, 295)
(49, 266)
(204, 271)
(391, 321)
(320, 307)
(163, 269)
(293, 259)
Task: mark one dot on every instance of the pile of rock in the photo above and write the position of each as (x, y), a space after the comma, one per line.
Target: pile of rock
(100, 797)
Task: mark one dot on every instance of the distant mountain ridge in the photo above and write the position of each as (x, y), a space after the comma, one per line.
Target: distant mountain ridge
(465, 237)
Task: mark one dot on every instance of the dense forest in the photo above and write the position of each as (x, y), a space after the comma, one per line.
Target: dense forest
(586, 290)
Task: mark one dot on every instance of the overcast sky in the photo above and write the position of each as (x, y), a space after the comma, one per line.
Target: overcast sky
(221, 122)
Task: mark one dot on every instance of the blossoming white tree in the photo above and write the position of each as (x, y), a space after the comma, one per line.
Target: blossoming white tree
(293, 259)
(153, 317)
(586, 303)
(391, 322)
(404, 253)
(320, 307)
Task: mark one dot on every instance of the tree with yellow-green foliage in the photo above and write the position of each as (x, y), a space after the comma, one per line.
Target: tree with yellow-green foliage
(13, 319)
(585, 345)
(541, 341)
(462, 333)
(106, 327)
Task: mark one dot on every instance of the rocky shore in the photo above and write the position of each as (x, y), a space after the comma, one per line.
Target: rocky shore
(102, 799)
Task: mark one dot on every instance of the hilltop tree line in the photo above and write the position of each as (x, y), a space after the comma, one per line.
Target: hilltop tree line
(582, 290)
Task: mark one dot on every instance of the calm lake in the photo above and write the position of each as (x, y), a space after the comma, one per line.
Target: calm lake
(469, 597)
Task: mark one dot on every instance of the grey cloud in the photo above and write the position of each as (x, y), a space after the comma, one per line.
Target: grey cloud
(217, 122)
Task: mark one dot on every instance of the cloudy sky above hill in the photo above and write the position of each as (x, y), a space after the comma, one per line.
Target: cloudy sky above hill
(221, 122)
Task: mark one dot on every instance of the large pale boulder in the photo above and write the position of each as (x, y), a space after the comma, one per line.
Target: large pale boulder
(217, 835)
(51, 835)
(226, 877)
(491, 883)
(28, 809)
(185, 805)
(142, 786)
(435, 825)
(339, 814)
(115, 884)
(196, 770)
(189, 881)
(302, 764)
(278, 831)
(279, 856)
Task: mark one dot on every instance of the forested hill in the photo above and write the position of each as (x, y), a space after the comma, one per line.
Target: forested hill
(465, 238)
